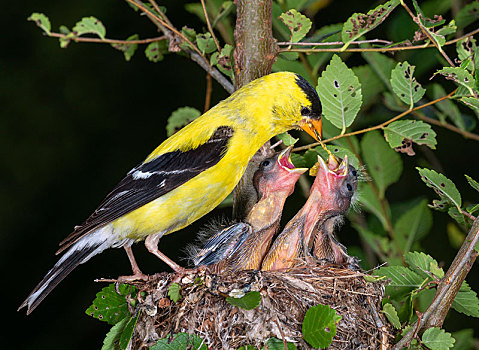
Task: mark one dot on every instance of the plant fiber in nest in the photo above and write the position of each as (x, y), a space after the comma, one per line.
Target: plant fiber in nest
(286, 296)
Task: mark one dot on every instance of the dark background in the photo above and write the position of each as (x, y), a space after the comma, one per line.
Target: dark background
(74, 121)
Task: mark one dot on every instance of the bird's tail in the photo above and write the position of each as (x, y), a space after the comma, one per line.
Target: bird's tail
(80, 252)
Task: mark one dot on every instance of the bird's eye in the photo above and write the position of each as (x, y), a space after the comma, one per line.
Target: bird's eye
(265, 163)
(349, 187)
(305, 111)
(354, 172)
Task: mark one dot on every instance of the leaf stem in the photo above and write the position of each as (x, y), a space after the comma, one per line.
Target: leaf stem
(208, 24)
(107, 41)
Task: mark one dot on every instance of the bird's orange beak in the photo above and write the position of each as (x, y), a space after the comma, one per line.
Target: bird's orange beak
(314, 127)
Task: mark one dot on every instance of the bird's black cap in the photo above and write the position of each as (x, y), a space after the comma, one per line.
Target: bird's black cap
(313, 97)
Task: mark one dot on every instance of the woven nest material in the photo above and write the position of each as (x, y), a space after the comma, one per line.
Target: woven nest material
(204, 311)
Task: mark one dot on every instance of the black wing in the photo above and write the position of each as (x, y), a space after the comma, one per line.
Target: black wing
(151, 180)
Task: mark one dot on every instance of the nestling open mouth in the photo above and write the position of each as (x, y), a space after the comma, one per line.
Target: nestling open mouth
(284, 161)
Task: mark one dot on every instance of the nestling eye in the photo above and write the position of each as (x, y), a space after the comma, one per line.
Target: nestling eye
(349, 187)
(305, 111)
(265, 163)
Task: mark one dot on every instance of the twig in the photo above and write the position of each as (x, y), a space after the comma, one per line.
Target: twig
(465, 133)
(210, 28)
(283, 338)
(216, 74)
(209, 89)
(107, 41)
(448, 287)
(376, 127)
(287, 43)
(381, 49)
(417, 20)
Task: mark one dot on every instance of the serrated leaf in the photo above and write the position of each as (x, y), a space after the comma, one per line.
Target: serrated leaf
(109, 306)
(405, 85)
(392, 315)
(127, 49)
(422, 264)
(206, 43)
(457, 215)
(174, 292)
(359, 23)
(155, 50)
(413, 225)
(466, 301)
(287, 139)
(180, 341)
(467, 15)
(181, 117)
(437, 339)
(89, 25)
(382, 163)
(474, 184)
(340, 94)
(403, 280)
(461, 77)
(400, 133)
(471, 102)
(466, 52)
(127, 332)
(249, 301)
(42, 21)
(277, 344)
(319, 325)
(444, 187)
(298, 24)
(112, 338)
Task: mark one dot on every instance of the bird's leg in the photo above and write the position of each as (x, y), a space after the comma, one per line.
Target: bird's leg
(137, 274)
(151, 243)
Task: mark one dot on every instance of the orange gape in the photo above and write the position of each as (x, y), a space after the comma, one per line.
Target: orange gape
(330, 197)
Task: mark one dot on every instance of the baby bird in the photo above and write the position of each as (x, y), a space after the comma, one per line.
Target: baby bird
(330, 196)
(242, 246)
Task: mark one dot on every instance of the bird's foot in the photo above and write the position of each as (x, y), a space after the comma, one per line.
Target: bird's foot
(138, 276)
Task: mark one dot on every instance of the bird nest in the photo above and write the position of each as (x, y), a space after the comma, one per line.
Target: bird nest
(286, 296)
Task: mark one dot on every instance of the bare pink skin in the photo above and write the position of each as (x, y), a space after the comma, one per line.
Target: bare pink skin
(327, 198)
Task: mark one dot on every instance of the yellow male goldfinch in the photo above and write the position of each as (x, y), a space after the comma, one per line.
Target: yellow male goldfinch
(188, 175)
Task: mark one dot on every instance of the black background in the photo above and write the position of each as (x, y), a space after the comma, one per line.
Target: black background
(74, 121)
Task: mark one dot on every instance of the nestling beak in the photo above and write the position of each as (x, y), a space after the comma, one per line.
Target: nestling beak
(284, 161)
(314, 127)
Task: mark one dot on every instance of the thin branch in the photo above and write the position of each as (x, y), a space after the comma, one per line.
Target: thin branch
(376, 127)
(288, 43)
(466, 134)
(216, 74)
(208, 24)
(106, 41)
(379, 49)
(426, 32)
(448, 287)
(209, 89)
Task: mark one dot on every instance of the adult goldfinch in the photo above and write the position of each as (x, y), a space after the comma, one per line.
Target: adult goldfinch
(330, 196)
(188, 175)
(242, 246)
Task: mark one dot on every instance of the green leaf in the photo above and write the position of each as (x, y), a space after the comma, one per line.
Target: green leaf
(128, 332)
(277, 344)
(474, 184)
(206, 43)
(444, 187)
(371, 85)
(174, 292)
(467, 15)
(89, 25)
(287, 139)
(127, 49)
(460, 76)
(466, 301)
(41, 20)
(180, 341)
(383, 164)
(448, 108)
(471, 102)
(403, 280)
(422, 264)
(464, 339)
(109, 306)
(405, 85)
(249, 301)
(467, 52)
(407, 309)
(401, 133)
(456, 214)
(392, 315)
(112, 339)
(181, 117)
(359, 24)
(437, 339)
(340, 94)
(155, 50)
(319, 325)
(382, 65)
(413, 225)
(370, 201)
(298, 24)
